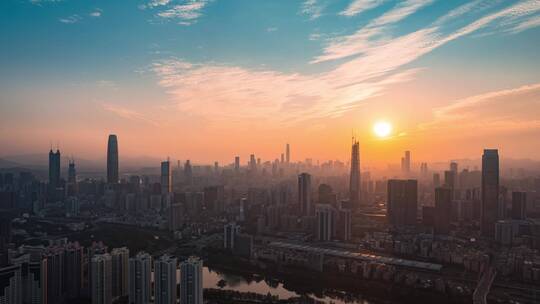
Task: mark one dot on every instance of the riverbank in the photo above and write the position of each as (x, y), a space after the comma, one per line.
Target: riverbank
(219, 296)
(343, 288)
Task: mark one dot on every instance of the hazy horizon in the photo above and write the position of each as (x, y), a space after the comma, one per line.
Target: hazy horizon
(129, 163)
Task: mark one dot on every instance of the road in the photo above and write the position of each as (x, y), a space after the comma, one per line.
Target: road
(484, 285)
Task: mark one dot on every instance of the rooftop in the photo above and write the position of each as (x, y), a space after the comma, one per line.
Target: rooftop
(360, 256)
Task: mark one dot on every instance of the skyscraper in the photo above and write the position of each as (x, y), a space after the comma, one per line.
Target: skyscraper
(72, 173)
(288, 153)
(354, 181)
(175, 219)
(402, 202)
(140, 272)
(112, 160)
(326, 194)
(236, 164)
(406, 162)
(490, 191)
(95, 249)
(454, 167)
(165, 280)
(166, 178)
(423, 169)
(101, 279)
(54, 168)
(72, 179)
(120, 272)
(73, 269)
(188, 172)
(304, 193)
(191, 281)
(519, 205)
(33, 279)
(54, 274)
(5, 237)
(443, 210)
(343, 224)
(436, 180)
(11, 284)
(450, 180)
(229, 234)
(326, 222)
(252, 163)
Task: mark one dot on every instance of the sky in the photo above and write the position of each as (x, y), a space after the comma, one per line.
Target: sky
(211, 79)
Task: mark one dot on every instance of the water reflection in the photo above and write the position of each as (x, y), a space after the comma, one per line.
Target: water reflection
(254, 283)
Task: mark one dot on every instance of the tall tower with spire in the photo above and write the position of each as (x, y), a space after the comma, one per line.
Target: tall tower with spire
(54, 168)
(72, 178)
(354, 181)
(288, 153)
(112, 160)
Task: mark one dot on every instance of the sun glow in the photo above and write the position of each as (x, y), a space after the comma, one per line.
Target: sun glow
(382, 129)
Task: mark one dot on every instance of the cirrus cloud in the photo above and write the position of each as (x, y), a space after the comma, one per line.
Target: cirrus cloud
(312, 8)
(96, 13)
(358, 6)
(71, 19)
(129, 114)
(184, 12)
(509, 111)
(221, 91)
(375, 35)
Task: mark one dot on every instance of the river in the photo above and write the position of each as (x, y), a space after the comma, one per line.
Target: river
(258, 284)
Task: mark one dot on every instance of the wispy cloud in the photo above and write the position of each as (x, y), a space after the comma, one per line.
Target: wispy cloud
(96, 13)
(358, 6)
(71, 19)
(185, 13)
(401, 11)
(374, 37)
(505, 110)
(227, 92)
(315, 36)
(271, 29)
(129, 114)
(223, 92)
(155, 3)
(39, 2)
(459, 11)
(371, 35)
(527, 24)
(507, 17)
(312, 8)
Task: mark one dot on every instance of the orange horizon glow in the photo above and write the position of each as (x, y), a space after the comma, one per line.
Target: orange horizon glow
(444, 93)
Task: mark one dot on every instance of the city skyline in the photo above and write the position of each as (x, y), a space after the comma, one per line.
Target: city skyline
(111, 162)
(269, 151)
(464, 81)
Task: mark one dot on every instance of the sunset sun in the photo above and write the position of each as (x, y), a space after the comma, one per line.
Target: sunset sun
(382, 129)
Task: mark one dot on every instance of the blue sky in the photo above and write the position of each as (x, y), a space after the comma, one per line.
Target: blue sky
(205, 67)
